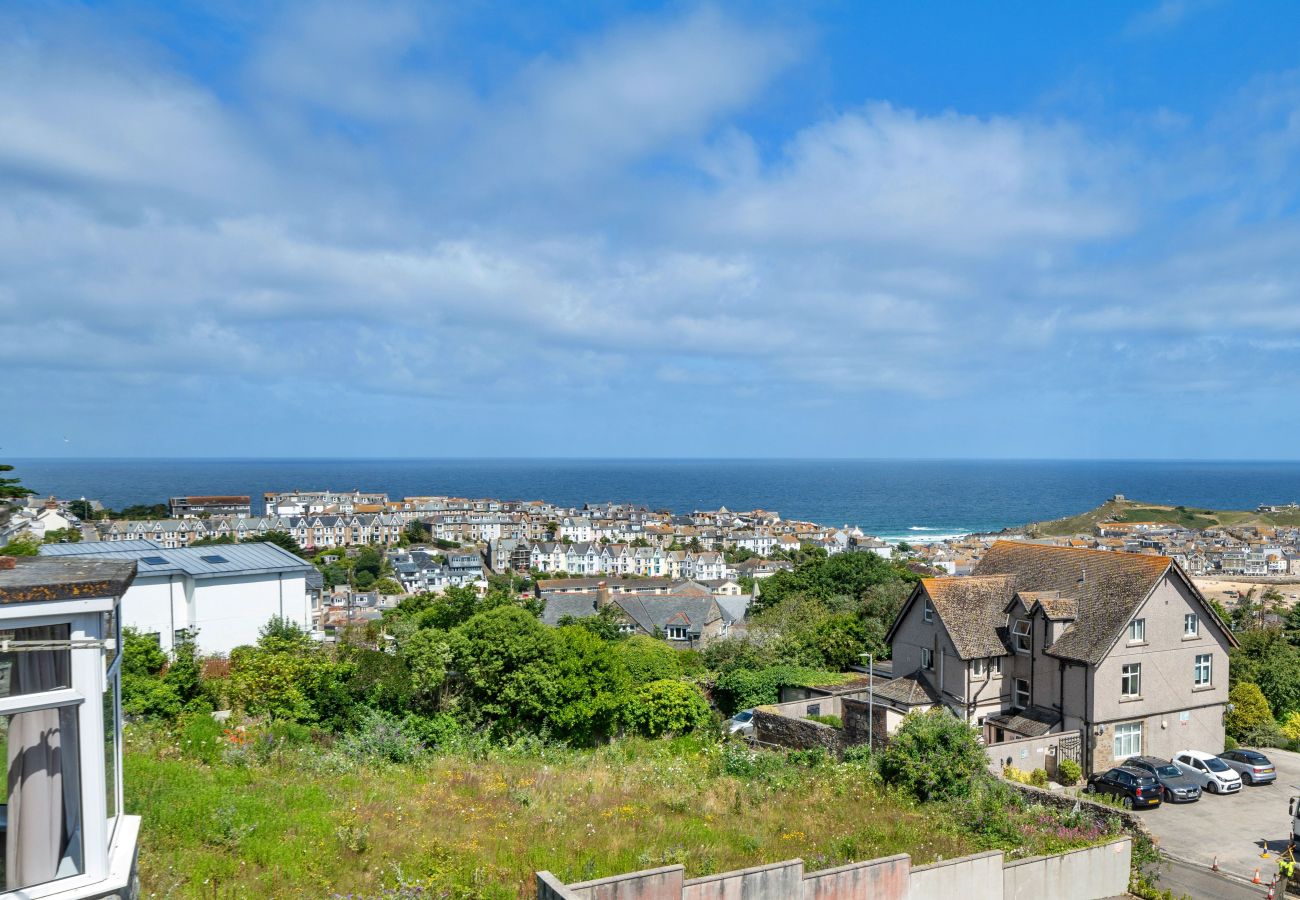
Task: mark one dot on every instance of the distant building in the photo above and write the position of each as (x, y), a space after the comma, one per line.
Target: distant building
(200, 507)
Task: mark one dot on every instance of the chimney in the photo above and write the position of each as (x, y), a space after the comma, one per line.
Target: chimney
(602, 594)
(51, 502)
(7, 562)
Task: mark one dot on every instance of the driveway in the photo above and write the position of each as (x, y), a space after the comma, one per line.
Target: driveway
(1234, 827)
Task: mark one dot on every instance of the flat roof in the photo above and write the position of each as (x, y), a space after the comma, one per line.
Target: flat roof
(37, 578)
(215, 561)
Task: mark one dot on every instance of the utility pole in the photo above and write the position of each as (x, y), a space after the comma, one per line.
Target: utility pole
(871, 700)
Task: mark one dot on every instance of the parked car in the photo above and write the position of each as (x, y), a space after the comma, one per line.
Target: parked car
(1210, 772)
(1253, 767)
(742, 723)
(1177, 787)
(1135, 788)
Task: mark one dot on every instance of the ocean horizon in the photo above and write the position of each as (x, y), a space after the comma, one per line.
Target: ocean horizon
(896, 499)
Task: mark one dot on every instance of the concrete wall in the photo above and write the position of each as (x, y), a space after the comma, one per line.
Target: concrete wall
(783, 879)
(1026, 754)
(1090, 874)
(653, 884)
(1094, 872)
(977, 877)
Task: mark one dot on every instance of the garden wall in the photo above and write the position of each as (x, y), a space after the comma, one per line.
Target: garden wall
(1093, 873)
(1027, 754)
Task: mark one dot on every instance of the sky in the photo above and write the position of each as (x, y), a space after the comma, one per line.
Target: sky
(858, 229)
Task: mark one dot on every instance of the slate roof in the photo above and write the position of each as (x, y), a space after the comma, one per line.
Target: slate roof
(1033, 721)
(909, 690)
(214, 561)
(648, 611)
(1107, 587)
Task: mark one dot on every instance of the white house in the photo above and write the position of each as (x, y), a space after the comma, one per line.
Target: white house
(223, 593)
(64, 830)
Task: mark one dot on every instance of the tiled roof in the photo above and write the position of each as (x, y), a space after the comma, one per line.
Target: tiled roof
(1032, 721)
(1107, 586)
(971, 608)
(908, 690)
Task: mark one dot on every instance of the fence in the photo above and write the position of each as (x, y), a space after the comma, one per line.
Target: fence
(1092, 873)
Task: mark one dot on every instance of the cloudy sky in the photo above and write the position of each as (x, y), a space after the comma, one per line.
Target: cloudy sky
(608, 229)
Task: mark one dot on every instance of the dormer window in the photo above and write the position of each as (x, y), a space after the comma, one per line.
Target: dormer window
(1021, 637)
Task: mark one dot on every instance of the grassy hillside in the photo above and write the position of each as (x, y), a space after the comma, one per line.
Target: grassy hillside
(1137, 511)
(265, 819)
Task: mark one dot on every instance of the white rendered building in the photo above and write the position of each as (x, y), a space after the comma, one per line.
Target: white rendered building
(223, 593)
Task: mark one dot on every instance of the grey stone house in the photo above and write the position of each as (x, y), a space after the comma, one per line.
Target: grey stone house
(1118, 647)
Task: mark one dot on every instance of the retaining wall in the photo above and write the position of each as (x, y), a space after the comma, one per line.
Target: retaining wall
(1027, 754)
(1089, 874)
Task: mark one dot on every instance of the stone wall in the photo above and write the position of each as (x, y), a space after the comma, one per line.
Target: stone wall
(779, 730)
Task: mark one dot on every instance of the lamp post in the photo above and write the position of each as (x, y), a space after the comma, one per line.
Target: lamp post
(871, 700)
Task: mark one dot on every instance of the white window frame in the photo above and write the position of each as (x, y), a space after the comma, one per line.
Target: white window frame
(1135, 675)
(927, 659)
(979, 668)
(1022, 636)
(1203, 661)
(927, 610)
(1193, 620)
(677, 632)
(1137, 631)
(1018, 694)
(995, 666)
(1128, 740)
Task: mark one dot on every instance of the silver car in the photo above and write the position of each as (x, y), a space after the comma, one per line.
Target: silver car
(742, 723)
(1253, 767)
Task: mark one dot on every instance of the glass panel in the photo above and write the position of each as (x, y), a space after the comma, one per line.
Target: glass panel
(110, 756)
(42, 817)
(32, 671)
(112, 633)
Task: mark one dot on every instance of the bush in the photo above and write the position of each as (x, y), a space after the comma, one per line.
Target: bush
(1249, 712)
(1068, 772)
(647, 659)
(667, 706)
(1229, 744)
(1038, 778)
(832, 721)
(933, 756)
(200, 737)
(380, 737)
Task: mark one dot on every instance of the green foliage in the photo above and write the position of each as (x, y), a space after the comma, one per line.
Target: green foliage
(933, 756)
(588, 684)
(141, 654)
(842, 575)
(426, 655)
(281, 539)
(746, 688)
(200, 737)
(667, 706)
(24, 544)
(141, 511)
(832, 721)
(603, 624)
(12, 488)
(504, 656)
(82, 510)
(1249, 713)
(1267, 659)
(381, 737)
(287, 677)
(1038, 778)
(389, 587)
(62, 536)
(647, 659)
(1068, 772)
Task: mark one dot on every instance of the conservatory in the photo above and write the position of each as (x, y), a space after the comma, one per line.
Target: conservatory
(64, 832)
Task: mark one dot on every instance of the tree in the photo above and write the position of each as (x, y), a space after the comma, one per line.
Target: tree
(82, 510)
(12, 488)
(389, 587)
(62, 536)
(590, 685)
(281, 539)
(1266, 658)
(648, 660)
(504, 657)
(1249, 715)
(24, 544)
(933, 756)
(667, 706)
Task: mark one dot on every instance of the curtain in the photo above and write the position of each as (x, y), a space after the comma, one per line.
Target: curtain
(43, 837)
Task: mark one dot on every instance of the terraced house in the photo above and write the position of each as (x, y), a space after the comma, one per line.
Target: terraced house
(1119, 649)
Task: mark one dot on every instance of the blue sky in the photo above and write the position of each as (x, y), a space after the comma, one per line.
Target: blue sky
(632, 229)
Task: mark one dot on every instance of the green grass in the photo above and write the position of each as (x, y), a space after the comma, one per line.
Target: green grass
(476, 825)
(1135, 511)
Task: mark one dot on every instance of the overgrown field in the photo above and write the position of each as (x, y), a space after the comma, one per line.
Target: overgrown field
(254, 814)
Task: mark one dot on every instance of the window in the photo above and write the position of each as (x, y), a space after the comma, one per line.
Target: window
(626, 628)
(1128, 740)
(1022, 693)
(814, 709)
(1131, 680)
(214, 559)
(1202, 670)
(1020, 633)
(927, 659)
(1191, 625)
(1137, 631)
(979, 668)
(927, 611)
(676, 632)
(995, 666)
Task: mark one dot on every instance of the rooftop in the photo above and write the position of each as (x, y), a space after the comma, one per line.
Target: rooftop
(214, 561)
(37, 578)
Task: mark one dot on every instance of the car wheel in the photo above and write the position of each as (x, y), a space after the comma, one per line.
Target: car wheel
(1169, 796)
(1089, 789)
(1212, 787)
(1127, 802)
(1246, 777)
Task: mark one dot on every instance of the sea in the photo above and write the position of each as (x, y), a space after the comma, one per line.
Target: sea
(913, 500)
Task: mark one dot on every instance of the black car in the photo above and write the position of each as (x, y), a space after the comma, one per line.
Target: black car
(1135, 788)
(1176, 787)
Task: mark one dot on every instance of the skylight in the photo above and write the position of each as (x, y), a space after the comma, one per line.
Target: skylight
(153, 560)
(214, 559)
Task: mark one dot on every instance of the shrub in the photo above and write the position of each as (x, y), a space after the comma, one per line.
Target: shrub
(833, 721)
(380, 737)
(1249, 711)
(1038, 778)
(1068, 772)
(1229, 743)
(200, 737)
(667, 706)
(647, 659)
(934, 756)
